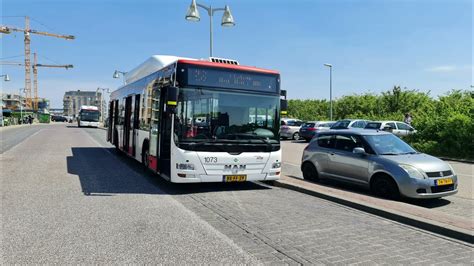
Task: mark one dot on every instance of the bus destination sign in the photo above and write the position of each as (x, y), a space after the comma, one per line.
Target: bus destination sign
(223, 78)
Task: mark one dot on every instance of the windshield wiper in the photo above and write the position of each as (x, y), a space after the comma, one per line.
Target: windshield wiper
(390, 153)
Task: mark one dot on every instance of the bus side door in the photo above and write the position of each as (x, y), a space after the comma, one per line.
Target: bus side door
(127, 125)
(136, 124)
(165, 137)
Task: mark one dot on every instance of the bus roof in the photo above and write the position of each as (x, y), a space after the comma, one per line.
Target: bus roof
(227, 66)
(157, 62)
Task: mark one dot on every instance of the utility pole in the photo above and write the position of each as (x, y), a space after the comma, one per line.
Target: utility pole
(35, 82)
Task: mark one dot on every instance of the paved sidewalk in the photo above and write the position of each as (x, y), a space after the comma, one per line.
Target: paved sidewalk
(428, 219)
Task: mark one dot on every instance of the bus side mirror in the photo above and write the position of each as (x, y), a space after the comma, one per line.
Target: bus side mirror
(283, 93)
(283, 107)
(171, 99)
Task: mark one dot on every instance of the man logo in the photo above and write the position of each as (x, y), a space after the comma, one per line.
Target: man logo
(234, 168)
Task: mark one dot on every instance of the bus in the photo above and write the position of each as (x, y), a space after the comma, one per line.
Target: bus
(88, 116)
(191, 120)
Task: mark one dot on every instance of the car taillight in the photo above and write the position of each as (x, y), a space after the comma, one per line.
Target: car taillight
(311, 128)
(284, 127)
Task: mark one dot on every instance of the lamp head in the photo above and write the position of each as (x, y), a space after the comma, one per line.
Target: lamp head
(227, 18)
(328, 65)
(193, 12)
(116, 74)
(7, 78)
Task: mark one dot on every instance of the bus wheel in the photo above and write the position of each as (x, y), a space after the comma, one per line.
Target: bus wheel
(145, 158)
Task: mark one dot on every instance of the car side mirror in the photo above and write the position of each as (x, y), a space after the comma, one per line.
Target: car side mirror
(358, 150)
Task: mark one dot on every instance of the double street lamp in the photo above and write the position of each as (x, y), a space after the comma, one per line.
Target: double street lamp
(330, 90)
(117, 74)
(193, 15)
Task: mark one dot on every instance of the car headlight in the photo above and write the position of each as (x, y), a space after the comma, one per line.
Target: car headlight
(185, 166)
(412, 171)
(276, 165)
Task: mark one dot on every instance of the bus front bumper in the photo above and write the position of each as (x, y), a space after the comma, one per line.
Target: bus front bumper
(193, 178)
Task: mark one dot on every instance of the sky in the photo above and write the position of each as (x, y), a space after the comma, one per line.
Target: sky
(373, 45)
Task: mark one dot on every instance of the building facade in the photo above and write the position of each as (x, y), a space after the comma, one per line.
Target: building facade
(73, 100)
(12, 101)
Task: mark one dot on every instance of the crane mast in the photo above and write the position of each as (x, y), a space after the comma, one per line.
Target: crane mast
(27, 32)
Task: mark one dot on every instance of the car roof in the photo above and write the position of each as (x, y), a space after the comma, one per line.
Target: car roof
(361, 132)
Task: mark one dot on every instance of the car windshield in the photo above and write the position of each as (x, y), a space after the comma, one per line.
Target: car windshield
(388, 144)
(210, 117)
(341, 124)
(88, 115)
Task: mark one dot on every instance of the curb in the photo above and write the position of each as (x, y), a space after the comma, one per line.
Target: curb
(421, 223)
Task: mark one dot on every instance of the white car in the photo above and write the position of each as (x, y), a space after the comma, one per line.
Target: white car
(396, 127)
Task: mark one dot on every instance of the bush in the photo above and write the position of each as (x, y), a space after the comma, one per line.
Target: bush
(445, 125)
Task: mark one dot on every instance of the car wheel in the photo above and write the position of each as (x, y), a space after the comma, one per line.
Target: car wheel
(310, 172)
(296, 136)
(385, 187)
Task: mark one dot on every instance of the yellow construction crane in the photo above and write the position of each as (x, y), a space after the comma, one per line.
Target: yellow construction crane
(35, 76)
(27, 31)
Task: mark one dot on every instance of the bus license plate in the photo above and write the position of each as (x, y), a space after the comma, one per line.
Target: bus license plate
(235, 178)
(444, 181)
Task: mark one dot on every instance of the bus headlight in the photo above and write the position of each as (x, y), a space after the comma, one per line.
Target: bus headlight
(413, 172)
(276, 165)
(185, 166)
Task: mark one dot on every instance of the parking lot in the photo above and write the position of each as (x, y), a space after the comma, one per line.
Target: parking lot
(460, 204)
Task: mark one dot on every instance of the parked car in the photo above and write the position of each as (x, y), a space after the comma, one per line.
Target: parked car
(308, 129)
(58, 118)
(380, 161)
(350, 123)
(396, 127)
(290, 128)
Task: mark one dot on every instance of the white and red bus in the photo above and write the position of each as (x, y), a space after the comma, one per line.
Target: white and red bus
(88, 116)
(194, 120)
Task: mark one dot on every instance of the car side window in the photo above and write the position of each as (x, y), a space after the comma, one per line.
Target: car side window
(392, 125)
(402, 126)
(290, 123)
(326, 141)
(358, 124)
(298, 123)
(348, 142)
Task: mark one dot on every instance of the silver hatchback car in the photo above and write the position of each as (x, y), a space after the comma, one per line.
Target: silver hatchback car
(380, 161)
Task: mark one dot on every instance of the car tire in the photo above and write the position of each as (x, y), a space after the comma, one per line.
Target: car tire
(145, 157)
(309, 171)
(385, 187)
(296, 136)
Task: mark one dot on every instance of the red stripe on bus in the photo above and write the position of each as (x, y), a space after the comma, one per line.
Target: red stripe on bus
(152, 162)
(228, 66)
(130, 150)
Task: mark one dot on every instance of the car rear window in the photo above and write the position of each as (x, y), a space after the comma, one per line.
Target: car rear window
(308, 125)
(341, 124)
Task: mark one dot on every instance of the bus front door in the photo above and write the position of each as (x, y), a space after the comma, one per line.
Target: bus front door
(165, 139)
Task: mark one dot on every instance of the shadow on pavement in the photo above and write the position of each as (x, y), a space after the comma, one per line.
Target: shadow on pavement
(349, 187)
(105, 172)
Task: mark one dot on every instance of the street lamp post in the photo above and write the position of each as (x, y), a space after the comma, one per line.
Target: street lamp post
(21, 103)
(6, 78)
(103, 106)
(330, 90)
(193, 15)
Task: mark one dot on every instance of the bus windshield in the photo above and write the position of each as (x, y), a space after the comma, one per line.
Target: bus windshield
(89, 115)
(210, 117)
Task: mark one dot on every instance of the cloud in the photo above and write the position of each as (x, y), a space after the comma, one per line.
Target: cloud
(448, 68)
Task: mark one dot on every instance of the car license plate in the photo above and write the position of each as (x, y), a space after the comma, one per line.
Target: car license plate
(444, 181)
(235, 178)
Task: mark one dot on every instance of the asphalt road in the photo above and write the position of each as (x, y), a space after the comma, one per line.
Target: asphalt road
(460, 204)
(67, 197)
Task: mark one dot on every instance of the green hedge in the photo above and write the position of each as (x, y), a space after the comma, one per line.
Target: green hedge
(445, 124)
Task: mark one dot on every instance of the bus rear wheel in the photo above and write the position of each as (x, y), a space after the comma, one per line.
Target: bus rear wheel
(145, 158)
